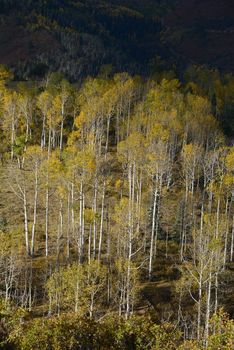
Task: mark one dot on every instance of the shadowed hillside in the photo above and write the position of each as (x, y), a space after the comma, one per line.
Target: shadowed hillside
(78, 37)
(202, 32)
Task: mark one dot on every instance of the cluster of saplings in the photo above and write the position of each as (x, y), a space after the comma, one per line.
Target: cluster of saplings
(104, 187)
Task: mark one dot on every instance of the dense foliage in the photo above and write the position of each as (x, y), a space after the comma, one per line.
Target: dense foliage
(116, 213)
(72, 331)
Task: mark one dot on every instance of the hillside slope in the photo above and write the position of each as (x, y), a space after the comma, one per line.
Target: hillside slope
(78, 37)
(202, 32)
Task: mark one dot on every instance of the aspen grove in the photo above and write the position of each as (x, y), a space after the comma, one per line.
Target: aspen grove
(110, 190)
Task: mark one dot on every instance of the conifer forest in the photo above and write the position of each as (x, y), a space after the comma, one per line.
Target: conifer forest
(116, 197)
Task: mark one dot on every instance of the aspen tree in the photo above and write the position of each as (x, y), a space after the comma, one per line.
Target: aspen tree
(126, 289)
(10, 117)
(9, 264)
(19, 186)
(34, 157)
(60, 106)
(77, 287)
(27, 110)
(229, 181)
(191, 156)
(51, 169)
(131, 153)
(201, 271)
(44, 103)
(157, 169)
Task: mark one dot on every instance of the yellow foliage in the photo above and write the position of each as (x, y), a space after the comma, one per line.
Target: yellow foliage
(230, 160)
(133, 149)
(159, 132)
(118, 184)
(80, 120)
(89, 215)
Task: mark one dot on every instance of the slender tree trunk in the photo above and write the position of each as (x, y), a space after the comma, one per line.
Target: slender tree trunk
(83, 225)
(61, 139)
(227, 215)
(47, 217)
(208, 297)
(107, 135)
(77, 295)
(89, 246)
(72, 210)
(131, 177)
(200, 277)
(43, 134)
(68, 223)
(158, 215)
(60, 230)
(232, 240)
(34, 210)
(30, 287)
(101, 223)
(184, 214)
(12, 136)
(81, 222)
(139, 198)
(216, 292)
(199, 307)
(26, 222)
(153, 230)
(94, 221)
(61, 132)
(49, 143)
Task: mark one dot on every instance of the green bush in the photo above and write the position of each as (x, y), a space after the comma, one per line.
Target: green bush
(73, 332)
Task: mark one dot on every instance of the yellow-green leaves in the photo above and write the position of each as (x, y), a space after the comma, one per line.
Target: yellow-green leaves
(133, 149)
